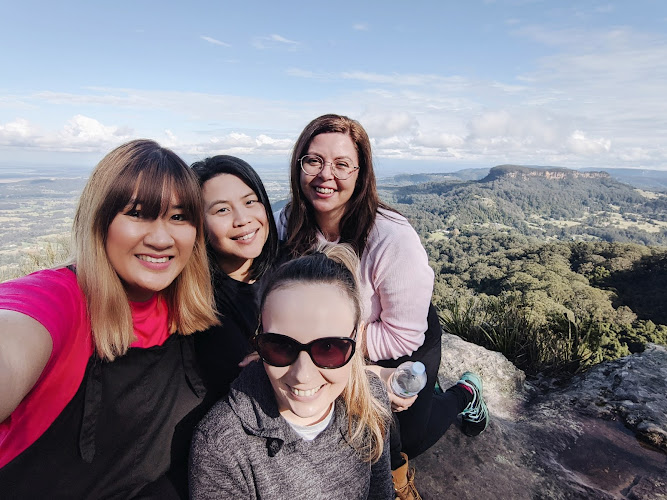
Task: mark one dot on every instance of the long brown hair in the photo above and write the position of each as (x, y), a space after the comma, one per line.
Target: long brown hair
(148, 173)
(361, 209)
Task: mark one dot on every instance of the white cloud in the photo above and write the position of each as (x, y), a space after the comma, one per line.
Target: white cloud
(214, 41)
(78, 134)
(274, 41)
(582, 145)
(238, 143)
(18, 133)
(282, 39)
(360, 27)
(438, 140)
(388, 124)
(82, 133)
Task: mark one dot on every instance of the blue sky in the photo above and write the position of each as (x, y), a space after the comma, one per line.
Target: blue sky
(438, 85)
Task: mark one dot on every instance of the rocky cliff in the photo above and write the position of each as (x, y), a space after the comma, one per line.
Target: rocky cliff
(549, 173)
(602, 436)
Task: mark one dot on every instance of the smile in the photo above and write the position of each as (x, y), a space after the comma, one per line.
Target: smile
(324, 190)
(154, 260)
(308, 393)
(245, 236)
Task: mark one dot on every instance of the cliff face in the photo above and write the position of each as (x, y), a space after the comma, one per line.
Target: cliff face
(579, 441)
(554, 173)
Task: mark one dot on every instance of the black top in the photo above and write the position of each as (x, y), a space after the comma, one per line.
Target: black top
(220, 348)
(125, 434)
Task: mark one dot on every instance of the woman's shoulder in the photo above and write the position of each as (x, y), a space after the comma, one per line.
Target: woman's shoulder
(389, 221)
(44, 279)
(42, 291)
(280, 216)
(219, 422)
(391, 228)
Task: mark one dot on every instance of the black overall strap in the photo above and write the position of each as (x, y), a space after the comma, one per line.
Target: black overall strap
(190, 366)
(92, 403)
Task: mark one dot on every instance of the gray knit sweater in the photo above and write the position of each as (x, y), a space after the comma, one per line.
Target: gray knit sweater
(243, 449)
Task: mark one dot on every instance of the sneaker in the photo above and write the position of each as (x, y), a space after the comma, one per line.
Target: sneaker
(475, 416)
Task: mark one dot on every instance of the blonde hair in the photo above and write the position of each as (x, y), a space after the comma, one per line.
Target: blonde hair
(368, 418)
(138, 172)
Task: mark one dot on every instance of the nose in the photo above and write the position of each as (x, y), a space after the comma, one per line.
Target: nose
(158, 235)
(303, 370)
(241, 217)
(327, 171)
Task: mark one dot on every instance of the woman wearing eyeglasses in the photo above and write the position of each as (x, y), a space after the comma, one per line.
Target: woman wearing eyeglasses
(242, 243)
(334, 198)
(98, 387)
(307, 422)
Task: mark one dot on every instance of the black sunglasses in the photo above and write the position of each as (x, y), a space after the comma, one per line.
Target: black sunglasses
(327, 352)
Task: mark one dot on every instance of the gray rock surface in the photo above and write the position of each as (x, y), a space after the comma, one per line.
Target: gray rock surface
(602, 436)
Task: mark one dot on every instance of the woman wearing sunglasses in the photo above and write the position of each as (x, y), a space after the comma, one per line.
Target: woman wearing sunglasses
(308, 422)
(98, 392)
(334, 198)
(242, 242)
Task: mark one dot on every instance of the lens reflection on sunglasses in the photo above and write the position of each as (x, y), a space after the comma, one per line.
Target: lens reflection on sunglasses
(327, 352)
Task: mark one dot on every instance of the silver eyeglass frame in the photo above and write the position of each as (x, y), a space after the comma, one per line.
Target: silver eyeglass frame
(334, 170)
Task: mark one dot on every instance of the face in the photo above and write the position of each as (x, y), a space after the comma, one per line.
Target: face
(307, 312)
(236, 223)
(149, 254)
(327, 194)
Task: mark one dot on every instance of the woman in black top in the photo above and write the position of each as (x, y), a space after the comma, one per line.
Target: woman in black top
(242, 243)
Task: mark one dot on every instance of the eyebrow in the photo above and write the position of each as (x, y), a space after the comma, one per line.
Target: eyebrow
(335, 158)
(215, 202)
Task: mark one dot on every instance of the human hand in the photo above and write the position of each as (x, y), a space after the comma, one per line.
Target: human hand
(253, 356)
(397, 403)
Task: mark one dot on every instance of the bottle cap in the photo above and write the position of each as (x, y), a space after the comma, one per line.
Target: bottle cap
(418, 368)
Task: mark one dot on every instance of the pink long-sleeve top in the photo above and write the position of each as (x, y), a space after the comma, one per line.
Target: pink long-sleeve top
(396, 285)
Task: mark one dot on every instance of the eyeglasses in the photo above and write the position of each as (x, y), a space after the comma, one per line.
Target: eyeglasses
(342, 168)
(327, 352)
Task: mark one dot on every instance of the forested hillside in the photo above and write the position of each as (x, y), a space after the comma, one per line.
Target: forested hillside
(558, 269)
(551, 204)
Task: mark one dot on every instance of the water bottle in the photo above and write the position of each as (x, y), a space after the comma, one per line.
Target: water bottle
(408, 379)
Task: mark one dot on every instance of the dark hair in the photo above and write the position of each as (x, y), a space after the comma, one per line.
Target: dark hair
(225, 164)
(363, 205)
(335, 264)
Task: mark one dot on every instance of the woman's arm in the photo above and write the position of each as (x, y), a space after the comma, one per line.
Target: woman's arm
(25, 348)
(395, 266)
(214, 470)
(382, 486)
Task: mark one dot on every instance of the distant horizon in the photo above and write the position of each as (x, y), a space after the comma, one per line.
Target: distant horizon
(28, 171)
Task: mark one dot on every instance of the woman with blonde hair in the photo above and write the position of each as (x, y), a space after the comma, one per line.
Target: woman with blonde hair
(98, 387)
(310, 421)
